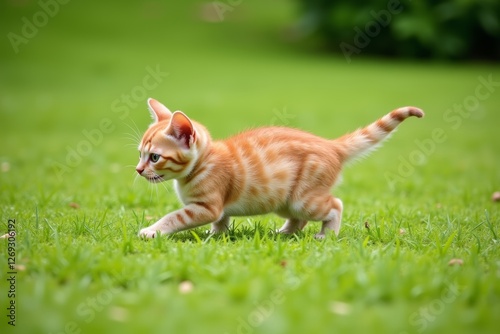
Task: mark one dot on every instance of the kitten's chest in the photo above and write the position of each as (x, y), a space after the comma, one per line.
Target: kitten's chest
(181, 192)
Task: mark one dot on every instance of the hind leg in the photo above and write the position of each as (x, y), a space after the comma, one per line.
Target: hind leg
(292, 225)
(322, 207)
(220, 226)
(333, 220)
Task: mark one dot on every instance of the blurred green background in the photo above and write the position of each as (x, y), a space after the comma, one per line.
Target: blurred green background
(74, 78)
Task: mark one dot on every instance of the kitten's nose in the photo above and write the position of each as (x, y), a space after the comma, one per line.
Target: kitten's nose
(139, 170)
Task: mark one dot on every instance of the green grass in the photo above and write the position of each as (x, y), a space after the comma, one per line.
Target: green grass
(84, 270)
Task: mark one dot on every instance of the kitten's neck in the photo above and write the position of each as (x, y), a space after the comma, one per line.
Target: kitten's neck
(197, 167)
(202, 149)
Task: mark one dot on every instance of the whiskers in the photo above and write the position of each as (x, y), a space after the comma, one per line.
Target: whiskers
(165, 186)
(136, 176)
(134, 137)
(152, 188)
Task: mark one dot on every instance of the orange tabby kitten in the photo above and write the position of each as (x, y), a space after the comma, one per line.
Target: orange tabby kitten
(272, 169)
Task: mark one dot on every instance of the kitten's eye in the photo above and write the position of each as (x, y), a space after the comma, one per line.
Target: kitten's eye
(154, 157)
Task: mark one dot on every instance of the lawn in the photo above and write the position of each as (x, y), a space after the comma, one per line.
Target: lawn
(418, 251)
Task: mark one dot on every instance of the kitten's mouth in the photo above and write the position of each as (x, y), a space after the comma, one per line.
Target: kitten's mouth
(155, 178)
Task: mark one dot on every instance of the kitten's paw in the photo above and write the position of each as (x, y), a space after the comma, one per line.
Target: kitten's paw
(285, 231)
(147, 233)
(319, 236)
(217, 231)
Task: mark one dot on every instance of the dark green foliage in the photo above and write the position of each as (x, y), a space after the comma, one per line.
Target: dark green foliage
(453, 29)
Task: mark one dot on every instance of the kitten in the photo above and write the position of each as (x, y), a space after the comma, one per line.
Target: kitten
(270, 169)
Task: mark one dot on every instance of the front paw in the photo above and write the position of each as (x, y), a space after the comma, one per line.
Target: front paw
(147, 233)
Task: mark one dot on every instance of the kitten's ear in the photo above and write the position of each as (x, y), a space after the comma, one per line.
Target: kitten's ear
(158, 111)
(182, 129)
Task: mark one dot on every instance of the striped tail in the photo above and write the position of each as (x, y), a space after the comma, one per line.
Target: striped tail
(362, 141)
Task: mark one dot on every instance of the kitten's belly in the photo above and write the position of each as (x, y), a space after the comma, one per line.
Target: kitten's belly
(250, 206)
(246, 210)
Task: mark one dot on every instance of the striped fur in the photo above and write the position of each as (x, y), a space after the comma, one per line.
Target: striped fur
(270, 169)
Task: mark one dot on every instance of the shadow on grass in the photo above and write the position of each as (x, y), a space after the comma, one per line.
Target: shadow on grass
(257, 232)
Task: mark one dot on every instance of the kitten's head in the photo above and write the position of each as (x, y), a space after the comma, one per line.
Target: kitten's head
(169, 149)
